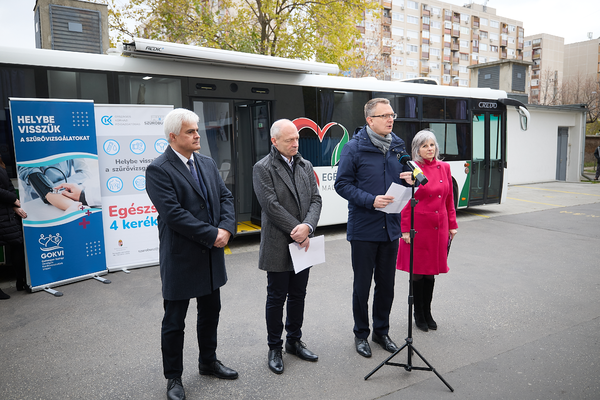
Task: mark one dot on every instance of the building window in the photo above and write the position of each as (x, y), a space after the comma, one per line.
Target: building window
(413, 5)
(464, 57)
(397, 31)
(483, 35)
(436, 25)
(411, 62)
(463, 82)
(494, 24)
(412, 47)
(435, 52)
(464, 43)
(398, 2)
(397, 75)
(411, 19)
(397, 60)
(411, 76)
(493, 49)
(512, 28)
(511, 40)
(527, 54)
(528, 43)
(483, 21)
(412, 34)
(435, 10)
(446, 78)
(493, 36)
(483, 47)
(435, 38)
(464, 30)
(396, 16)
(463, 69)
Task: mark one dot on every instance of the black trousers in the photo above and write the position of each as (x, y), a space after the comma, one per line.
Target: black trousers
(373, 260)
(282, 285)
(172, 332)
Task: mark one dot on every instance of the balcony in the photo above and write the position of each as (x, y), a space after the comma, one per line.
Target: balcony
(387, 4)
(536, 44)
(503, 55)
(474, 62)
(504, 43)
(455, 33)
(426, 27)
(504, 28)
(475, 49)
(456, 17)
(455, 47)
(387, 35)
(446, 58)
(455, 60)
(446, 71)
(424, 70)
(454, 72)
(536, 56)
(386, 49)
(520, 45)
(447, 45)
(424, 41)
(424, 55)
(386, 20)
(361, 29)
(475, 23)
(425, 12)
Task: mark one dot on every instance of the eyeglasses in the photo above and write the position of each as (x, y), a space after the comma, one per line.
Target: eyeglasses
(385, 116)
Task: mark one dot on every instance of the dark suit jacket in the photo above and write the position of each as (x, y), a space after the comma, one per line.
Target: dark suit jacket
(189, 264)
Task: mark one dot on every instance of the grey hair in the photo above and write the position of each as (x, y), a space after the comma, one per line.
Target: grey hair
(277, 125)
(420, 138)
(176, 118)
(371, 104)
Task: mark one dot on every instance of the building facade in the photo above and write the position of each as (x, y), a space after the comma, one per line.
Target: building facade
(439, 40)
(547, 53)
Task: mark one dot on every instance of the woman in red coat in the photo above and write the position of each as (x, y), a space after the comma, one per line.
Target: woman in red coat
(435, 224)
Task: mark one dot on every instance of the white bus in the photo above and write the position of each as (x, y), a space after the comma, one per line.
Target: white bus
(238, 96)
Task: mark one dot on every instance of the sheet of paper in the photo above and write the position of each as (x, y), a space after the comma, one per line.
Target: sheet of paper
(315, 255)
(401, 195)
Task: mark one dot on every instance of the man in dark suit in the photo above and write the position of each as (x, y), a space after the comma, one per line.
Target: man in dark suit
(195, 221)
(286, 188)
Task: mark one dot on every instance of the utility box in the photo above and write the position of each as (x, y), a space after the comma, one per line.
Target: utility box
(512, 76)
(71, 25)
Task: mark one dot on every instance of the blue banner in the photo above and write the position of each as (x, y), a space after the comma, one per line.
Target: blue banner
(59, 189)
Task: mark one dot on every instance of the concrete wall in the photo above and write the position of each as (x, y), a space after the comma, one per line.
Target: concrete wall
(532, 154)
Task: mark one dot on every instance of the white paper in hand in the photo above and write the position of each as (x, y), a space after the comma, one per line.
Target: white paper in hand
(315, 255)
(401, 195)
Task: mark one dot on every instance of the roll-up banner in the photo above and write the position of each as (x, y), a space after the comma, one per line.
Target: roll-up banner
(130, 137)
(59, 189)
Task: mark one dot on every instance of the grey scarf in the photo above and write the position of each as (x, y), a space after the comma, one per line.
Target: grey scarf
(381, 142)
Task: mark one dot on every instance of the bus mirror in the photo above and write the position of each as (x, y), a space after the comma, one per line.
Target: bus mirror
(523, 117)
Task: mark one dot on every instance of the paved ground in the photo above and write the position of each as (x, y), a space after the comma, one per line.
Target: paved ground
(518, 315)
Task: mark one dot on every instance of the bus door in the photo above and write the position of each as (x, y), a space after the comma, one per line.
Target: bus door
(252, 132)
(489, 150)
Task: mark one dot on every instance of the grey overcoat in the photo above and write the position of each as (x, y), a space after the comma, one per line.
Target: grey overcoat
(284, 205)
(189, 264)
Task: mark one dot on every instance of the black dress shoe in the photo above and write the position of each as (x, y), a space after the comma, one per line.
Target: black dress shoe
(299, 349)
(4, 296)
(217, 369)
(362, 347)
(175, 389)
(276, 361)
(385, 342)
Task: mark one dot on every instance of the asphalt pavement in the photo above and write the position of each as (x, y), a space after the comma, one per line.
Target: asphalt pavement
(518, 316)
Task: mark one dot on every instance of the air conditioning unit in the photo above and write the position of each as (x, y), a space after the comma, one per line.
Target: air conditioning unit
(408, 53)
(438, 57)
(402, 7)
(401, 52)
(408, 38)
(401, 37)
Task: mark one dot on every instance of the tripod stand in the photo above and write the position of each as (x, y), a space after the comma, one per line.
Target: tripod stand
(409, 340)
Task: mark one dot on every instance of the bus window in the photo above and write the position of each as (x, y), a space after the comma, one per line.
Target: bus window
(456, 109)
(78, 85)
(406, 106)
(406, 131)
(14, 82)
(453, 140)
(149, 90)
(433, 108)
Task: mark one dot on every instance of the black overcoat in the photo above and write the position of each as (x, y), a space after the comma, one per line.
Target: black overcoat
(189, 264)
(10, 227)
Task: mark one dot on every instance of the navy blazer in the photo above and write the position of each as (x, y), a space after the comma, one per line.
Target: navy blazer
(189, 264)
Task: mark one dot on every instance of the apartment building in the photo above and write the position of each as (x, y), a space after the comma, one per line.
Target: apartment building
(547, 52)
(439, 40)
(560, 69)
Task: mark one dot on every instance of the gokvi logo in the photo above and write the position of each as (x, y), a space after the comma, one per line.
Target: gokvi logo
(50, 246)
(106, 120)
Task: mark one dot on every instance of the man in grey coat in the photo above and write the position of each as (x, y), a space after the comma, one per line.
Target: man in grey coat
(195, 221)
(287, 191)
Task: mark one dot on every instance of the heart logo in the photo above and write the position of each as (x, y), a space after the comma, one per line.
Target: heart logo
(303, 122)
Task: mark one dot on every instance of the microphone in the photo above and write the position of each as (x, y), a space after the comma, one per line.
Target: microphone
(404, 159)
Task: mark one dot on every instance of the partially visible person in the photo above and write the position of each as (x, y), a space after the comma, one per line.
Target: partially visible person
(597, 155)
(287, 190)
(196, 218)
(435, 224)
(11, 233)
(367, 168)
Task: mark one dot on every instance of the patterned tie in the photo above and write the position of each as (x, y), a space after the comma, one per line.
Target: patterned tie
(200, 183)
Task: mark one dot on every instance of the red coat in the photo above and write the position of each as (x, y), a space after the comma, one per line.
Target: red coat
(434, 217)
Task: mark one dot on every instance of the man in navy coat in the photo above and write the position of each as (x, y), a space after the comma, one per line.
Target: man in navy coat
(195, 221)
(368, 166)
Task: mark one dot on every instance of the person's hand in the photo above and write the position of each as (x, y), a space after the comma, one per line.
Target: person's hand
(17, 203)
(20, 212)
(407, 176)
(305, 244)
(222, 238)
(453, 233)
(382, 201)
(300, 232)
(406, 237)
(72, 190)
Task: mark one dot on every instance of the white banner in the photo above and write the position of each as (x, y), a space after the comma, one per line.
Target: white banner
(130, 137)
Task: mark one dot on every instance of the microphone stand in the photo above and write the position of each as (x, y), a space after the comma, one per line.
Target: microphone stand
(409, 340)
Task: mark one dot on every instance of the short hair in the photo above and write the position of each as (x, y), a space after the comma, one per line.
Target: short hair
(176, 118)
(277, 125)
(420, 138)
(371, 104)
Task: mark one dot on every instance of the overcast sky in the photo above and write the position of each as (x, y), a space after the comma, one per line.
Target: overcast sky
(570, 20)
